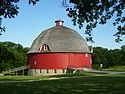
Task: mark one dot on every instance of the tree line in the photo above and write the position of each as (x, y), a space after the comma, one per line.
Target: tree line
(12, 55)
(15, 55)
(108, 58)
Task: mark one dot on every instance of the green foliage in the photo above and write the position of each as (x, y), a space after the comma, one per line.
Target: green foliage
(107, 57)
(123, 48)
(12, 55)
(10, 9)
(116, 68)
(33, 1)
(94, 12)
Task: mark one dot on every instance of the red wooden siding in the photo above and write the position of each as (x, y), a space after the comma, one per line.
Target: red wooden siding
(59, 60)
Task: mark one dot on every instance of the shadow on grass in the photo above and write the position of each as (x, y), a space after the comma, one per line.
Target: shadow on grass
(78, 85)
(80, 74)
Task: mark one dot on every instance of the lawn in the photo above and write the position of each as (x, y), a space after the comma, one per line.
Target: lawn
(22, 78)
(116, 68)
(72, 85)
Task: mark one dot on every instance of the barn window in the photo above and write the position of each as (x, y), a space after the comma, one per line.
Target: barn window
(86, 55)
(40, 71)
(44, 47)
(63, 71)
(55, 71)
(35, 62)
(47, 71)
(35, 70)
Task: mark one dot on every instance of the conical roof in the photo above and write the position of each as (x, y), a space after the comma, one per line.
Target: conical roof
(60, 39)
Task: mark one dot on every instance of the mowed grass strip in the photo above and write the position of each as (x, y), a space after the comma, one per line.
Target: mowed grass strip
(116, 68)
(22, 78)
(77, 85)
(26, 78)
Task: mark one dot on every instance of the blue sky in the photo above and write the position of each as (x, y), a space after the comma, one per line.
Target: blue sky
(32, 20)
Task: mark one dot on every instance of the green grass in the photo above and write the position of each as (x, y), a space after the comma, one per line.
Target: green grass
(25, 78)
(73, 75)
(22, 78)
(80, 74)
(77, 84)
(116, 68)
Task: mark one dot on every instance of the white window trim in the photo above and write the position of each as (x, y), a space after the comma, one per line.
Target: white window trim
(86, 55)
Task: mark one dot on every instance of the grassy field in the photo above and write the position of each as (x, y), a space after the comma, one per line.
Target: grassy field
(116, 68)
(22, 78)
(25, 78)
(69, 84)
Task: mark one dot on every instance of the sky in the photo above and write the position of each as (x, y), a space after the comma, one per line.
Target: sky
(32, 20)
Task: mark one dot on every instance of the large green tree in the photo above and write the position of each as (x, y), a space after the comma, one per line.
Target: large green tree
(99, 56)
(12, 55)
(109, 58)
(123, 55)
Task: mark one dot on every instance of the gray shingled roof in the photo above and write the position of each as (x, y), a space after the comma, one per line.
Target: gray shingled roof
(60, 39)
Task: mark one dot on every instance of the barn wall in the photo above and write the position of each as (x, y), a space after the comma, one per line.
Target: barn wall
(59, 60)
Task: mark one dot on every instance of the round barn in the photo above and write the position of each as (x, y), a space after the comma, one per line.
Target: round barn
(57, 50)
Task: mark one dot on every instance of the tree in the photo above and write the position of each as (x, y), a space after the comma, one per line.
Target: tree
(12, 55)
(94, 12)
(123, 47)
(108, 58)
(9, 9)
(123, 55)
(99, 56)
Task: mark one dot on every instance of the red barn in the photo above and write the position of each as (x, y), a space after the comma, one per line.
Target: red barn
(58, 49)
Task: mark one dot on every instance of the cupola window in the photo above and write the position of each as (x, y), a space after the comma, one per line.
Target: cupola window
(59, 23)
